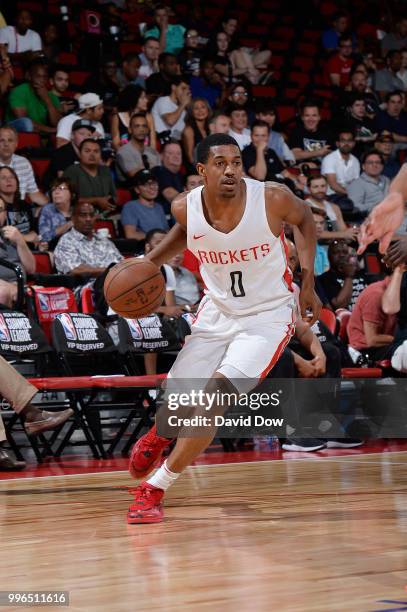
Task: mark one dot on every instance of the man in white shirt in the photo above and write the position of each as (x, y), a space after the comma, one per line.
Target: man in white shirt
(149, 57)
(238, 127)
(90, 108)
(21, 166)
(341, 167)
(22, 42)
(169, 111)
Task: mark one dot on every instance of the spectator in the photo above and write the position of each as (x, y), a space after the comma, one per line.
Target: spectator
(208, 84)
(219, 123)
(149, 57)
(384, 143)
(186, 288)
(143, 214)
(196, 127)
(105, 83)
(159, 83)
(128, 74)
(92, 180)
(6, 74)
(370, 330)
(91, 109)
(14, 249)
(33, 102)
(169, 177)
(68, 154)
(340, 25)
(170, 37)
(136, 155)
(394, 303)
(318, 186)
(240, 96)
(394, 118)
(402, 73)
(342, 284)
(51, 39)
(265, 111)
(23, 44)
(18, 213)
(169, 111)
(310, 140)
(321, 262)
(55, 218)
(259, 161)
(59, 81)
(339, 66)
(341, 167)
(82, 252)
(191, 55)
(238, 126)
(397, 40)
(358, 85)
(21, 166)
(372, 186)
(386, 79)
(219, 51)
(192, 181)
(132, 100)
(361, 125)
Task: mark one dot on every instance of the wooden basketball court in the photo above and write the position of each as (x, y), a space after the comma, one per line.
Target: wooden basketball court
(317, 534)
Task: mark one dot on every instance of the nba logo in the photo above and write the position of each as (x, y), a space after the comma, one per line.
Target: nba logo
(44, 303)
(135, 329)
(4, 333)
(69, 328)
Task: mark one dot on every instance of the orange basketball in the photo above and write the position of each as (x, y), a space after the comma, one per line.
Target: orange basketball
(134, 288)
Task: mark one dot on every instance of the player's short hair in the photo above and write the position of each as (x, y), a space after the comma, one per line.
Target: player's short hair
(213, 140)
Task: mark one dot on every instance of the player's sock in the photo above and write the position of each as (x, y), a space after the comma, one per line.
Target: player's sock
(163, 478)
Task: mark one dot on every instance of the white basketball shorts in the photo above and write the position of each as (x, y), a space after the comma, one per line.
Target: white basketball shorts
(243, 347)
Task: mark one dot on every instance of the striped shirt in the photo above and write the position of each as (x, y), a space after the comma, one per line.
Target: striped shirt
(25, 173)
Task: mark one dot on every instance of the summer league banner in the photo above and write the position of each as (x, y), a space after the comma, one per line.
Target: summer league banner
(295, 408)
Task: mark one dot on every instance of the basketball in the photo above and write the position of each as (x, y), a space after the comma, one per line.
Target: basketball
(134, 288)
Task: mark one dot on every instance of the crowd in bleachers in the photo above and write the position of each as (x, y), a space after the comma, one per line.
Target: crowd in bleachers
(103, 105)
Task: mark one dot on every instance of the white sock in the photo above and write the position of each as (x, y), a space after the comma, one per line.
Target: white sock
(163, 478)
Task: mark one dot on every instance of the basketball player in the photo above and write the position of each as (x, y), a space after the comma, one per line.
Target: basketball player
(234, 227)
(386, 217)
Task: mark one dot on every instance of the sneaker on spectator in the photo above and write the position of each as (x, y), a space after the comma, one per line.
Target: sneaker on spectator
(303, 444)
(344, 443)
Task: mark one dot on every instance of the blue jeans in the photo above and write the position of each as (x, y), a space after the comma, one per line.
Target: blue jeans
(24, 124)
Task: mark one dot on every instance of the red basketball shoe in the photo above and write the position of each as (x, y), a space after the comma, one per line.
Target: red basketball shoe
(147, 507)
(146, 453)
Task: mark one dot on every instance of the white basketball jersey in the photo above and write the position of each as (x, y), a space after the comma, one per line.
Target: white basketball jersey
(246, 270)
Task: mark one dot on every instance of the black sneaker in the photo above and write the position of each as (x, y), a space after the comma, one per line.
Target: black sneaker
(343, 443)
(303, 444)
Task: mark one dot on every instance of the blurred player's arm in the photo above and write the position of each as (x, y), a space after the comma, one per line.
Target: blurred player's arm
(176, 239)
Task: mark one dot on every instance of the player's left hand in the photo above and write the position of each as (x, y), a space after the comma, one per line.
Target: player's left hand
(310, 305)
(319, 363)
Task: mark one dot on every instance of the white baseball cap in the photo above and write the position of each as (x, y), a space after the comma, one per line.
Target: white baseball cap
(89, 100)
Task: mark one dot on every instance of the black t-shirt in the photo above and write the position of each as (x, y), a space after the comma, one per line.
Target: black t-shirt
(329, 284)
(165, 179)
(274, 165)
(20, 216)
(310, 141)
(61, 159)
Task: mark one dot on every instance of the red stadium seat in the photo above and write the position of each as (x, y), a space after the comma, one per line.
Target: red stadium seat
(40, 167)
(286, 113)
(106, 224)
(129, 47)
(307, 48)
(328, 317)
(122, 196)
(372, 263)
(28, 139)
(343, 316)
(78, 77)
(43, 264)
(87, 303)
(264, 91)
(69, 59)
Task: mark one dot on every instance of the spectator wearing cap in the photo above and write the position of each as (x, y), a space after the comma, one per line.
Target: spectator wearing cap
(68, 154)
(143, 214)
(90, 108)
(384, 143)
(372, 186)
(33, 103)
(82, 252)
(135, 155)
(169, 111)
(23, 44)
(21, 166)
(91, 179)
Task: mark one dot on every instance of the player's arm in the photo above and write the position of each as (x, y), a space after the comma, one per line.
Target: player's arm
(176, 239)
(283, 205)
